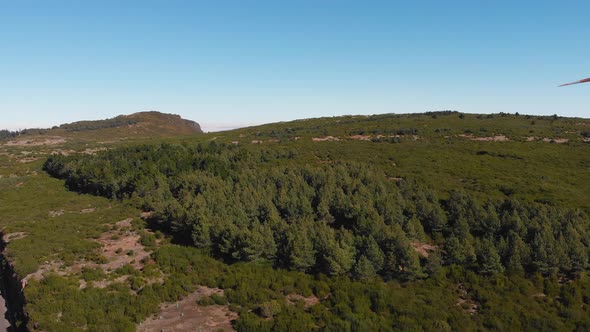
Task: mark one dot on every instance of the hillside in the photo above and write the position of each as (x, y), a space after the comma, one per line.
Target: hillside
(135, 126)
(435, 221)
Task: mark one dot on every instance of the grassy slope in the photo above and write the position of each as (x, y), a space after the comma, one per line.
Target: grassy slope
(56, 227)
(30, 199)
(63, 236)
(556, 173)
(540, 170)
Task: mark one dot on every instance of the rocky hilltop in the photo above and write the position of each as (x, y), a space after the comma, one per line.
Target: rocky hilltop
(153, 120)
(149, 124)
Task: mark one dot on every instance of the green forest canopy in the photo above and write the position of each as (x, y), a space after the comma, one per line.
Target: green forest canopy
(339, 219)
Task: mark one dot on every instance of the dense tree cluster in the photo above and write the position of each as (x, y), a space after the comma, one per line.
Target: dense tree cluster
(8, 133)
(119, 121)
(336, 219)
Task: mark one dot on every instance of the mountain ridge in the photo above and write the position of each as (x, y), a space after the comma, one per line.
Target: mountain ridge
(143, 124)
(122, 120)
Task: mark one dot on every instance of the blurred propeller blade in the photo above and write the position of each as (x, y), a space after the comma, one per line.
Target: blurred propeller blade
(577, 82)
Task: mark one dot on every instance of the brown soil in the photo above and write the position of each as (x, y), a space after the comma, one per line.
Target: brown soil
(361, 137)
(423, 249)
(307, 301)
(127, 222)
(112, 242)
(47, 267)
(465, 302)
(145, 215)
(36, 141)
(93, 151)
(28, 160)
(325, 139)
(64, 152)
(13, 236)
(556, 140)
(56, 213)
(495, 138)
(187, 315)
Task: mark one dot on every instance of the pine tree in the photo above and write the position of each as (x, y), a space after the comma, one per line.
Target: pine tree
(488, 260)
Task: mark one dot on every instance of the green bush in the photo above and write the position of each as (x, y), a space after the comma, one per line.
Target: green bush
(148, 239)
(95, 274)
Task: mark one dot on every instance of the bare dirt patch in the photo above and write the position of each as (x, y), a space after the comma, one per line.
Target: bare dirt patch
(93, 151)
(127, 222)
(187, 315)
(465, 302)
(122, 249)
(325, 139)
(13, 236)
(28, 160)
(556, 140)
(47, 267)
(307, 301)
(360, 137)
(495, 138)
(63, 152)
(56, 213)
(120, 246)
(88, 151)
(36, 141)
(423, 249)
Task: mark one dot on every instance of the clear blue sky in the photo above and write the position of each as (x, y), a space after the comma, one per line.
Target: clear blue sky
(233, 63)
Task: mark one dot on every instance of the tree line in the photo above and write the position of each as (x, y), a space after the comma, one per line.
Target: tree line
(119, 121)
